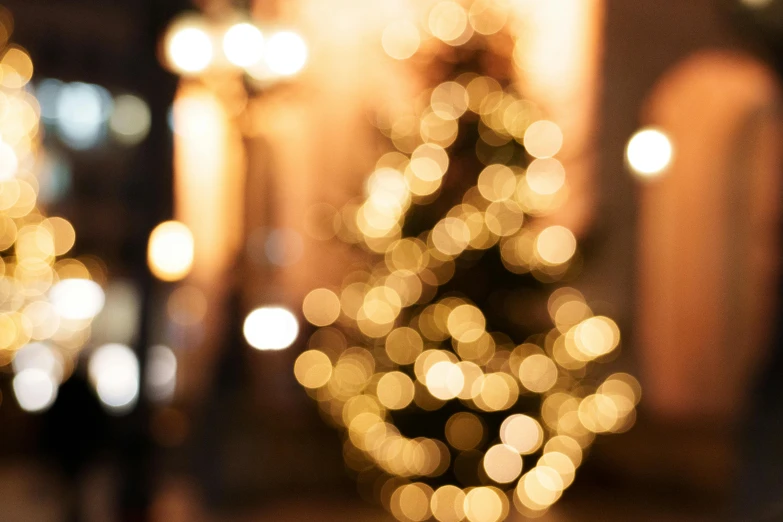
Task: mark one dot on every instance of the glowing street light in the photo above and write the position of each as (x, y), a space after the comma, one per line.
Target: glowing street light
(649, 152)
(286, 53)
(243, 45)
(189, 48)
(170, 251)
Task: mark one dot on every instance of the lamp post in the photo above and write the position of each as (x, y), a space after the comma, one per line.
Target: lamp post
(225, 62)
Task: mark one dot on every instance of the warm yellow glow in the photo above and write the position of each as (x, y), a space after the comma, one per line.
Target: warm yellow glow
(649, 152)
(497, 183)
(189, 48)
(243, 44)
(286, 53)
(522, 433)
(502, 463)
(77, 299)
(403, 345)
(445, 380)
(543, 139)
(448, 21)
(313, 369)
(270, 328)
(484, 505)
(545, 176)
(466, 323)
(538, 373)
(555, 245)
(321, 307)
(9, 163)
(16, 67)
(63, 233)
(756, 4)
(488, 16)
(170, 251)
(395, 390)
(401, 39)
(447, 504)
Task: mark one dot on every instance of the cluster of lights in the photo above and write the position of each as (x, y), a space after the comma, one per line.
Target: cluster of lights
(194, 46)
(386, 341)
(47, 300)
(82, 114)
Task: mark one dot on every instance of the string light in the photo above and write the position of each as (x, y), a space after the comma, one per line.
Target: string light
(170, 251)
(189, 48)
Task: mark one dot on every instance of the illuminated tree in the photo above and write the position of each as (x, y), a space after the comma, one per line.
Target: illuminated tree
(463, 382)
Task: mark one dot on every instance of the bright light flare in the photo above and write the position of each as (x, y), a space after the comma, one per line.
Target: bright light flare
(271, 328)
(649, 152)
(189, 49)
(114, 372)
(35, 389)
(170, 251)
(77, 299)
(243, 45)
(286, 53)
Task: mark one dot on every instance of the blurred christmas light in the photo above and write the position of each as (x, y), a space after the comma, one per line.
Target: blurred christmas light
(649, 152)
(756, 4)
(286, 53)
(9, 164)
(81, 109)
(40, 356)
(130, 120)
(77, 299)
(170, 251)
(35, 390)
(114, 372)
(161, 373)
(189, 48)
(243, 44)
(271, 328)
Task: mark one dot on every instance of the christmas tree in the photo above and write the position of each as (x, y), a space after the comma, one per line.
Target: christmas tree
(458, 362)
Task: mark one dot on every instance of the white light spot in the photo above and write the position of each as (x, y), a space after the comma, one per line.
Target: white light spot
(286, 53)
(271, 328)
(243, 45)
(77, 299)
(170, 251)
(34, 389)
(114, 372)
(649, 152)
(9, 163)
(189, 50)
